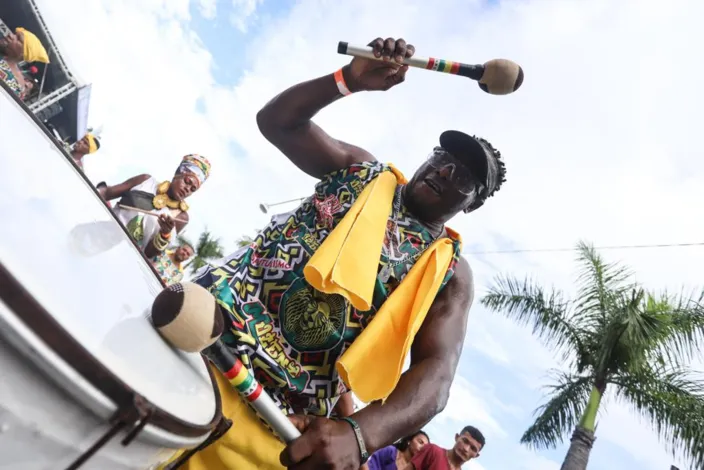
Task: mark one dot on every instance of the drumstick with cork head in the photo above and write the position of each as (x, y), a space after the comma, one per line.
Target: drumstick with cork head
(188, 317)
(496, 77)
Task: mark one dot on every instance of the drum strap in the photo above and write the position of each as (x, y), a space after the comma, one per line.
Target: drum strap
(135, 415)
(220, 429)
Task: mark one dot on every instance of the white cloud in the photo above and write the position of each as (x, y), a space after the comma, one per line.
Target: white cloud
(466, 407)
(601, 142)
(475, 465)
(244, 12)
(529, 461)
(620, 425)
(208, 8)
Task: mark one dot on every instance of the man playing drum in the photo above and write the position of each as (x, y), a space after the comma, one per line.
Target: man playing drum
(331, 296)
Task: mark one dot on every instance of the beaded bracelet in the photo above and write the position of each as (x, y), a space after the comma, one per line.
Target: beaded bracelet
(160, 243)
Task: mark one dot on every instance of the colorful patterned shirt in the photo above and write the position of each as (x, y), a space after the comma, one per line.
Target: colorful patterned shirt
(286, 332)
(8, 76)
(169, 271)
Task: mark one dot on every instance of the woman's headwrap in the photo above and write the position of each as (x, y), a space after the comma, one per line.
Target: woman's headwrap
(196, 164)
(92, 144)
(33, 49)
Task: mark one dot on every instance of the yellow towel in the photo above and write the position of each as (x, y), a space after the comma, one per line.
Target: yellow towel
(385, 342)
(347, 263)
(33, 49)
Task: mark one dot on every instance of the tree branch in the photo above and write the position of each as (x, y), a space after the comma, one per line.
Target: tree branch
(673, 400)
(527, 304)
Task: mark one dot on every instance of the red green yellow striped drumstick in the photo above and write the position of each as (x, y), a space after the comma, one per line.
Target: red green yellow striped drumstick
(251, 390)
(189, 318)
(498, 76)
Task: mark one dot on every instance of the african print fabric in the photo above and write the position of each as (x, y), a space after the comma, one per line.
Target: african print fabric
(286, 332)
(169, 271)
(8, 76)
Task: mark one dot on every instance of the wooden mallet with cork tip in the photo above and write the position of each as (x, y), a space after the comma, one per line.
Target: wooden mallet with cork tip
(189, 318)
(496, 77)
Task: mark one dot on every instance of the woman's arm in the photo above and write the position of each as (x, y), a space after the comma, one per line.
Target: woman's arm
(113, 192)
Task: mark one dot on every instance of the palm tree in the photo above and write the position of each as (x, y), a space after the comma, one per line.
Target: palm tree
(207, 249)
(245, 240)
(615, 338)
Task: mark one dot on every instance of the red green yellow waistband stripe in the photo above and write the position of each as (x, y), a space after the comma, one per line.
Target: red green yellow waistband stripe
(442, 65)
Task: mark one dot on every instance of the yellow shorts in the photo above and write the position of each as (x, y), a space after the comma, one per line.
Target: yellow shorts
(247, 445)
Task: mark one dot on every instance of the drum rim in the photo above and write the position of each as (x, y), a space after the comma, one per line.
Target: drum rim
(33, 314)
(44, 325)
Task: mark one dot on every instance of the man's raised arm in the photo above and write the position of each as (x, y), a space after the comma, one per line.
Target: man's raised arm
(286, 121)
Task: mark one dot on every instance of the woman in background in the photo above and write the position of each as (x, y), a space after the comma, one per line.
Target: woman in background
(21, 46)
(399, 455)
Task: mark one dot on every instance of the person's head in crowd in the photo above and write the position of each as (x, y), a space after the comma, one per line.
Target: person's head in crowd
(183, 253)
(468, 444)
(189, 177)
(414, 443)
(22, 45)
(15, 48)
(87, 145)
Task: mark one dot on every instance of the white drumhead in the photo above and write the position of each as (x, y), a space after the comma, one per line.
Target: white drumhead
(61, 242)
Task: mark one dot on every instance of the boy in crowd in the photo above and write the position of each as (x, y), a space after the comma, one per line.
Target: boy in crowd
(468, 443)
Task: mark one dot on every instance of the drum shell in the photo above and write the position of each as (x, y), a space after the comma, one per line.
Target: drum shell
(58, 389)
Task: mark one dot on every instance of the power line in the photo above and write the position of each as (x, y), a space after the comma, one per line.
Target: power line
(555, 250)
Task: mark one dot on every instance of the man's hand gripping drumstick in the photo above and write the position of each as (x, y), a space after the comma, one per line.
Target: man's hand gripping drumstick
(188, 317)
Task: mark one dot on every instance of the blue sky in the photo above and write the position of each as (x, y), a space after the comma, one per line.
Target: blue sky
(228, 43)
(597, 147)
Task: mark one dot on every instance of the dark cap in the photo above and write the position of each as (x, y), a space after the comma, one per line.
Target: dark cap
(470, 151)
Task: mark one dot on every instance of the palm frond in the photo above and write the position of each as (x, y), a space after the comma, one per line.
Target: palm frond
(673, 400)
(196, 264)
(561, 413)
(527, 303)
(208, 247)
(636, 327)
(245, 240)
(642, 328)
(597, 282)
(182, 240)
(684, 338)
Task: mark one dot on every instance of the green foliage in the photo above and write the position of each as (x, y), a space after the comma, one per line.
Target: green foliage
(618, 338)
(206, 249)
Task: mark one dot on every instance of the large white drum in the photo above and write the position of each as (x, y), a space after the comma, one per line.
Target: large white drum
(77, 349)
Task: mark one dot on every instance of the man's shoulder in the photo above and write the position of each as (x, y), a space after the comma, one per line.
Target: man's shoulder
(364, 171)
(428, 454)
(463, 277)
(433, 448)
